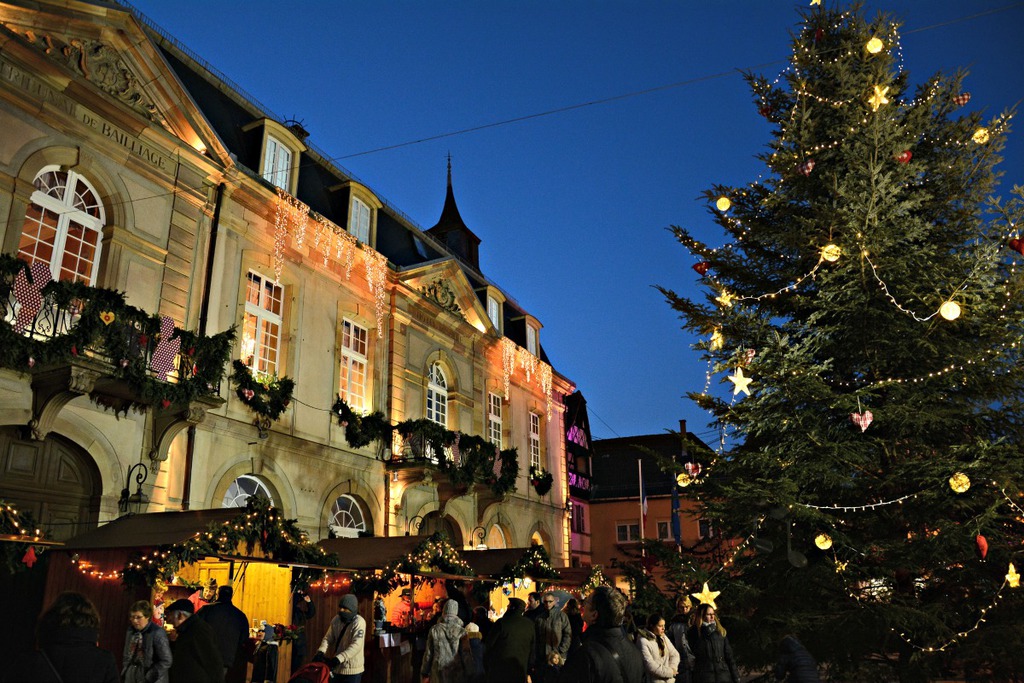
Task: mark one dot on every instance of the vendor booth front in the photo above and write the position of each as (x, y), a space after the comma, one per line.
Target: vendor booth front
(163, 556)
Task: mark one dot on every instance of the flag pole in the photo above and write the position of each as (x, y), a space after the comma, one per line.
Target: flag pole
(643, 513)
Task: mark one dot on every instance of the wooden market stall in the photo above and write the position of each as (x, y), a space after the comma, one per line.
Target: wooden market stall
(169, 555)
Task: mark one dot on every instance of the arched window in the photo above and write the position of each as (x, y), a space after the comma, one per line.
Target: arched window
(437, 395)
(242, 488)
(496, 538)
(63, 226)
(346, 517)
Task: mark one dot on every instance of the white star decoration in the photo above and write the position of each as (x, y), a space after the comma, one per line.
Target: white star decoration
(707, 596)
(742, 383)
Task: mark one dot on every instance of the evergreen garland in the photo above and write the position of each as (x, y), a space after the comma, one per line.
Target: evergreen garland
(535, 563)
(264, 395)
(540, 479)
(260, 525)
(13, 523)
(106, 329)
(435, 553)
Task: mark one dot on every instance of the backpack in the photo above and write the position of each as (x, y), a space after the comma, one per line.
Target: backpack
(314, 672)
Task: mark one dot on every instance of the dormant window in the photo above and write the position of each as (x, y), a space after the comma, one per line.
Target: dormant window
(359, 220)
(353, 365)
(535, 440)
(437, 395)
(494, 419)
(277, 163)
(63, 226)
(261, 336)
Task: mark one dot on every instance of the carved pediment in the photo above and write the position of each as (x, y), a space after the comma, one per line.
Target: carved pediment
(444, 284)
(441, 293)
(100, 64)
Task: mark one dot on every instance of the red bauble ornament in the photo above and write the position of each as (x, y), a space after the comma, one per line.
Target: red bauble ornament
(962, 99)
(701, 267)
(29, 558)
(904, 157)
(74, 350)
(765, 111)
(1017, 245)
(982, 544)
(819, 33)
(806, 167)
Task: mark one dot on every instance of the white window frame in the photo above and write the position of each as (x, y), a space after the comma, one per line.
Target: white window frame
(70, 204)
(532, 340)
(347, 518)
(494, 419)
(437, 395)
(261, 348)
(534, 439)
(352, 380)
(667, 525)
(631, 529)
(277, 163)
(360, 218)
(242, 488)
(494, 312)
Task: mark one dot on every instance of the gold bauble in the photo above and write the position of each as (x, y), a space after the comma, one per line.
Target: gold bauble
(980, 136)
(950, 310)
(875, 45)
(684, 480)
(823, 541)
(723, 203)
(831, 252)
(959, 482)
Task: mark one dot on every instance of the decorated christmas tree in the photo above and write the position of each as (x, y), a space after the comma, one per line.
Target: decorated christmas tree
(864, 315)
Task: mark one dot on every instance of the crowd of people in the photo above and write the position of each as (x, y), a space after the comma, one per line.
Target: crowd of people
(537, 641)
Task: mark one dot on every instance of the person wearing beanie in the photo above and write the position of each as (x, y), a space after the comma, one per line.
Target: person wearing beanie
(445, 658)
(195, 657)
(476, 651)
(231, 627)
(264, 657)
(508, 649)
(346, 636)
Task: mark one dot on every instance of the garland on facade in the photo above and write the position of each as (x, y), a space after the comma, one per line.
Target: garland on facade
(264, 395)
(596, 579)
(434, 554)
(16, 550)
(475, 459)
(534, 563)
(260, 525)
(101, 326)
(540, 479)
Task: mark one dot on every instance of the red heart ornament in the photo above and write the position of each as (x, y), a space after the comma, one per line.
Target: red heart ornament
(962, 99)
(702, 267)
(1016, 245)
(904, 157)
(982, 544)
(165, 403)
(806, 167)
(692, 468)
(862, 420)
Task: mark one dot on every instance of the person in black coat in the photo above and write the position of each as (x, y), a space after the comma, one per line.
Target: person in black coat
(67, 633)
(231, 627)
(195, 654)
(713, 662)
(606, 655)
(795, 665)
(572, 610)
(508, 650)
(303, 611)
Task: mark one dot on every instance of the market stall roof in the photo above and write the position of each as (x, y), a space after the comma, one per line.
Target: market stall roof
(151, 529)
(370, 552)
(491, 562)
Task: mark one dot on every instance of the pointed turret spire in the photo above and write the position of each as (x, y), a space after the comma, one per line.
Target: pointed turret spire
(453, 231)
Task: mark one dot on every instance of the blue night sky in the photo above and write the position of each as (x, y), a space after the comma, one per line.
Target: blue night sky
(572, 208)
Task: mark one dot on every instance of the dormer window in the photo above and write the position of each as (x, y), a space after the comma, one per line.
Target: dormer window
(495, 306)
(359, 220)
(532, 344)
(363, 208)
(277, 163)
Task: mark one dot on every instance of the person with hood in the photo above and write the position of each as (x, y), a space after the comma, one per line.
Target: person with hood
(231, 627)
(196, 656)
(677, 632)
(147, 652)
(264, 657)
(713, 662)
(66, 633)
(795, 665)
(554, 636)
(660, 656)
(443, 660)
(606, 656)
(346, 636)
(303, 610)
(476, 652)
(508, 650)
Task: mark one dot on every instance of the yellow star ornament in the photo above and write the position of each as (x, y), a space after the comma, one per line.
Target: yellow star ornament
(725, 298)
(707, 596)
(878, 98)
(1012, 577)
(742, 383)
(815, 2)
(717, 341)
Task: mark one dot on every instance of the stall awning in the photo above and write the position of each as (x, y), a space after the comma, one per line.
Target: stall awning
(151, 530)
(370, 552)
(491, 562)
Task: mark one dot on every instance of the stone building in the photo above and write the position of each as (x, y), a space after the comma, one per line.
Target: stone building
(130, 164)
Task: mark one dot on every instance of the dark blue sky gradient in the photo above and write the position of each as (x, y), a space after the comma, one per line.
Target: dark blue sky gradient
(572, 207)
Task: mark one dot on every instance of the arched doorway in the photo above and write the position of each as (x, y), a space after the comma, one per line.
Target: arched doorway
(433, 522)
(55, 481)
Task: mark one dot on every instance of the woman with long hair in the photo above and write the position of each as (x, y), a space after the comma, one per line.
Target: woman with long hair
(572, 610)
(661, 659)
(713, 662)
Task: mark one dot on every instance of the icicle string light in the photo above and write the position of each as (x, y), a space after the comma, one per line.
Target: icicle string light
(376, 280)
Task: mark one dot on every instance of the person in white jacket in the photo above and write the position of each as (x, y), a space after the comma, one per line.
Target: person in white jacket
(661, 659)
(346, 636)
